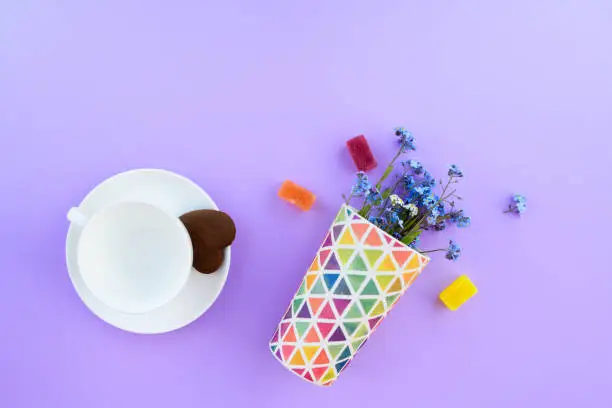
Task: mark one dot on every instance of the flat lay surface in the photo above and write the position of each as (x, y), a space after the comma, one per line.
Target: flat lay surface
(239, 96)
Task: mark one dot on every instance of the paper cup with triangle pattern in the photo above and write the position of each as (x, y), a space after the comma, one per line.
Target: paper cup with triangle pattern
(357, 276)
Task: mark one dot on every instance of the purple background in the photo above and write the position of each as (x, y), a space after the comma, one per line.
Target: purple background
(239, 95)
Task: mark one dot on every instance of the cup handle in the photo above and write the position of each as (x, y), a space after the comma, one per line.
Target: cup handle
(76, 216)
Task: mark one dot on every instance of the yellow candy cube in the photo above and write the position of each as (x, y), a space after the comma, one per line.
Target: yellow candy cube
(458, 292)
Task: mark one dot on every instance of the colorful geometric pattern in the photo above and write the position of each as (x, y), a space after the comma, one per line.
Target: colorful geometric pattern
(358, 275)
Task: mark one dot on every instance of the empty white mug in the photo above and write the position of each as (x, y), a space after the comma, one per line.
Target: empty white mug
(133, 256)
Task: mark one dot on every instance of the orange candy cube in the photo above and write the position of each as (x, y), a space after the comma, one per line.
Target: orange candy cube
(298, 195)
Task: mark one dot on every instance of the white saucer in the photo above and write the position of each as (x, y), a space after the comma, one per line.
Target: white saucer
(176, 195)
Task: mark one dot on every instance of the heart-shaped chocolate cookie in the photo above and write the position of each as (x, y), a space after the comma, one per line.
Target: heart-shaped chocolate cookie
(211, 231)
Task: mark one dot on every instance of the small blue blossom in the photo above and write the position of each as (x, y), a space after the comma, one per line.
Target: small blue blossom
(438, 210)
(518, 204)
(422, 190)
(464, 222)
(362, 185)
(453, 252)
(429, 180)
(397, 235)
(432, 220)
(454, 171)
(372, 195)
(429, 200)
(405, 138)
(393, 218)
(416, 166)
(460, 219)
(378, 221)
(455, 215)
(409, 181)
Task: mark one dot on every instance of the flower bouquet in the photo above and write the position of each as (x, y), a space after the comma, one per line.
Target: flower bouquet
(368, 259)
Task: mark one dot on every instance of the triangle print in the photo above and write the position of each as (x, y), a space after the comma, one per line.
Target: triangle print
(372, 255)
(297, 359)
(342, 288)
(350, 327)
(278, 355)
(298, 371)
(341, 305)
(413, 263)
(323, 255)
(322, 358)
(409, 278)
(275, 338)
(379, 309)
(325, 328)
(340, 217)
(314, 266)
(335, 349)
(301, 328)
(327, 313)
(384, 281)
(374, 322)
(283, 328)
(367, 304)
(304, 312)
(359, 230)
(336, 231)
(401, 257)
(370, 288)
(362, 331)
(332, 264)
(312, 336)
(329, 375)
(290, 337)
(310, 351)
(386, 265)
(327, 242)
(310, 280)
(355, 281)
(354, 312)
(315, 304)
(346, 238)
(286, 351)
(396, 286)
(358, 264)
(318, 288)
(330, 279)
(340, 366)
(373, 238)
(392, 300)
(344, 254)
(346, 353)
(318, 372)
(338, 335)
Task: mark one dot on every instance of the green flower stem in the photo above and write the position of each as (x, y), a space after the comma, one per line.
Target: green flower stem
(389, 169)
(378, 184)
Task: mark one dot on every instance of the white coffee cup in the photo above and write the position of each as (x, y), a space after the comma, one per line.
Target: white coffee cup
(133, 256)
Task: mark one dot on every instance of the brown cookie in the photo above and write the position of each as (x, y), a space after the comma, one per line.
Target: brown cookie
(211, 231)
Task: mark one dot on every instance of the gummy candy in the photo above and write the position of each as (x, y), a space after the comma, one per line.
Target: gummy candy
(361, 153)
(297, 195)
(458, 292)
